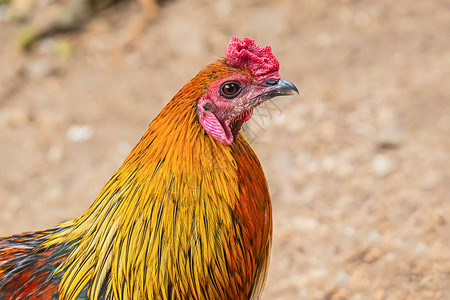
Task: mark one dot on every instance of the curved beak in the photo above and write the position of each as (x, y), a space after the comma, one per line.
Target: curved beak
(276, 88)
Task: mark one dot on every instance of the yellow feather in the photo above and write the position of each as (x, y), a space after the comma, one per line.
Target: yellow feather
(180, 211)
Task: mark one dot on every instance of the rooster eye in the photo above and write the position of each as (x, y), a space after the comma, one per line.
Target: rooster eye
(230, 89)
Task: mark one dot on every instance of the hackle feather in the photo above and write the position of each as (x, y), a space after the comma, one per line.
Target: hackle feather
(184, 217)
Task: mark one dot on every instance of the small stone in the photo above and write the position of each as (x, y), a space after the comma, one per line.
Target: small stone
(15, 118)
(302, 158)
(337, 294)
(356, 296)
(328, 164)
(349, 231)
(124, 148)
(318, 273)
(48, 120)
(14, 203)
(46, 46)
(374, 236)
(328, 130)
(38, 68)
(389, 257)
(79, 133)
(382, 165)
(371, 255)
(430, 180)
(388, 137)
(341, 277)
(379, 294)
(312, 167)
(324, 39)
(54, 154)
(306, 224)
(389, 134)
(344, 168)
(54, 194)
(421, 248)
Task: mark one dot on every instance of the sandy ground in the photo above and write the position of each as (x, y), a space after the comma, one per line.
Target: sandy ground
(358, 165)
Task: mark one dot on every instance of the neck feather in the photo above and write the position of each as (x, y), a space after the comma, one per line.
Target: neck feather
(176, 177)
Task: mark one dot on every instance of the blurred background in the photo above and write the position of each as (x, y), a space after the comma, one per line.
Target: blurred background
(358, 165)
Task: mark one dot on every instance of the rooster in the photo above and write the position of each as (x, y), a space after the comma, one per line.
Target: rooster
(186, 216)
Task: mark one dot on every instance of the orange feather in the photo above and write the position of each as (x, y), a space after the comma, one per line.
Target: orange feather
(184, 217)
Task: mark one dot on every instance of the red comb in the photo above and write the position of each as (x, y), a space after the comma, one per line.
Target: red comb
(249, 54)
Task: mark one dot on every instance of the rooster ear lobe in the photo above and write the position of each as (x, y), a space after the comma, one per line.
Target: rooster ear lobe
(210, 123)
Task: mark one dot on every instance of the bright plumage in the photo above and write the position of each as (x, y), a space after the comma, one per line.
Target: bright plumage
(187, 215)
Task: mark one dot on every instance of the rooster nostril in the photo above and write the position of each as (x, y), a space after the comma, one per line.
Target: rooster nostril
(271, 81)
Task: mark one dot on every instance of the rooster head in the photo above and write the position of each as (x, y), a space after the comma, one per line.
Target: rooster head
(236, 85)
